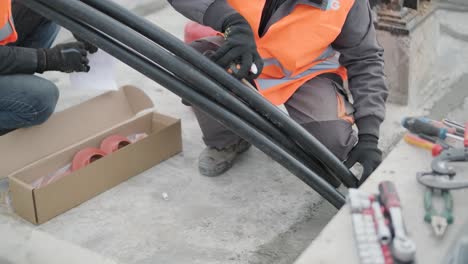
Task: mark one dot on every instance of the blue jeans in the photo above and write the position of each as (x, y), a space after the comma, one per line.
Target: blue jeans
(26, 99)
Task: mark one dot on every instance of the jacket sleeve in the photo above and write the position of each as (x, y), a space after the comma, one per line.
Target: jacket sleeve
(210, 13)
(363, 58)
(14, 60)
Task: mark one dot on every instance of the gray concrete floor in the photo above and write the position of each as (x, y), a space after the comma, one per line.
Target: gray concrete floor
(256, 213)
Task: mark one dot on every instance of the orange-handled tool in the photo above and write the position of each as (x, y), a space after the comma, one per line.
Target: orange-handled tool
(412, 139)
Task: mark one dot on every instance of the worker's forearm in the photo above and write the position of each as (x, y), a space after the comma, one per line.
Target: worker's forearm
(363, 58)
(14, 60)
(211, 13)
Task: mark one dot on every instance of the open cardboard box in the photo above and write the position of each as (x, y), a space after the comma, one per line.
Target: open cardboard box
(31, 153)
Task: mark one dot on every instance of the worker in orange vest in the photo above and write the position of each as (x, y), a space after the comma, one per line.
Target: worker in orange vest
(25, 41)
(303, 53)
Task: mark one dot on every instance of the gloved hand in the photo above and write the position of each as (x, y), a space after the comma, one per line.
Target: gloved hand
(239, 49)
(367, 153)
(69, 57)
(88, 46)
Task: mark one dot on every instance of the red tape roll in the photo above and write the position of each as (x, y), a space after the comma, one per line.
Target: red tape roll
(113, 143)
(85, 157)
(194, 31)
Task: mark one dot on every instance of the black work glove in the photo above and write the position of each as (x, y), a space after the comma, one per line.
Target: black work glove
(88, 46)
(239, 49)
(69, 57)
(367, 153)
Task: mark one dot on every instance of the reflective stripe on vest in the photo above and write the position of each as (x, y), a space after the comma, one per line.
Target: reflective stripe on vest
(327, 60)
(6, 31)
(292, 52)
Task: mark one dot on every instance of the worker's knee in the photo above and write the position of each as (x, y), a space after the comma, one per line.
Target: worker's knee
(38, 104)
(337, 135)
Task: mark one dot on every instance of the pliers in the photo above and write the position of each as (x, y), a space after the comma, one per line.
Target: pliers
(440, 181)
(442, 174)
(438, 219)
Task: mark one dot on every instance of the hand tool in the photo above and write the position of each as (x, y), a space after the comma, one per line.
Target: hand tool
(439, 124)
(440, 181)
(416, 126)
(369, 248)
(437, 180)
(435, 140)
(412, 139)
(253, 69)
(387, 254)
(438, 220)
(442, 174)
(454, 124)
(233, 68)
(403, 248)
(383, 232)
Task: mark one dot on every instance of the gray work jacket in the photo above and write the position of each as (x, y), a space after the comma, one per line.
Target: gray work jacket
(359, 51)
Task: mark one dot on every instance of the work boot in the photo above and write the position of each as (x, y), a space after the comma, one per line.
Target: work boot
(214, 162)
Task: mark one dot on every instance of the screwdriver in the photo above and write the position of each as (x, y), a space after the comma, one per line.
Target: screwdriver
(439, 124)
(453, 124)
(417, 126)
(412, 139)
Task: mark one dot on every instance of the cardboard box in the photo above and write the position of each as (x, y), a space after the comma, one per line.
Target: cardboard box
(31, 153)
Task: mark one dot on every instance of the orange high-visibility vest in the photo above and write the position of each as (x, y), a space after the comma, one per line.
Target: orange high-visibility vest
(296, 48)
(7, 28)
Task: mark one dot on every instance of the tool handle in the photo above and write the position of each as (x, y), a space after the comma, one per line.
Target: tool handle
(454, 124)
(439, 124)
(414, 140)
(428, 208)
(448, 202)
(416, 126)
(388, 195)
(465, 135)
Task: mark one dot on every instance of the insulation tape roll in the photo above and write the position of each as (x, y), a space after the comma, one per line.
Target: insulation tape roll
(85, 157)
(113, 143)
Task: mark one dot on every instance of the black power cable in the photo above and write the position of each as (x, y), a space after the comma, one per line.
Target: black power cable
(190, 75)
(293, 130)
(156, 73)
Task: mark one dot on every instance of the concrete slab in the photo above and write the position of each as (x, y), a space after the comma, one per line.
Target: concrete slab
(400, 167)
(143, 7)
(22, 243)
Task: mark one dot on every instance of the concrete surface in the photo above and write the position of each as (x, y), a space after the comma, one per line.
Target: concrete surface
(256, 213)
(410, 59)
(400, 167)
(143, 7)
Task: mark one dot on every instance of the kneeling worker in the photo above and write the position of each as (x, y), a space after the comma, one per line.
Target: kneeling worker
(26, 99)
(308, 49)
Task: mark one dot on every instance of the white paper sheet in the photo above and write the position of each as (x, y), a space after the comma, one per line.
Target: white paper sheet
(101, 75)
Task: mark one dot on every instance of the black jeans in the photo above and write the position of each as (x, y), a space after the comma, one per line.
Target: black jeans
(27, 100)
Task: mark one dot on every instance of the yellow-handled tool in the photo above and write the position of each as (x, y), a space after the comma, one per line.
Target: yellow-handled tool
(414, 140)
